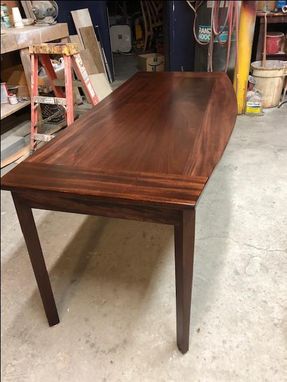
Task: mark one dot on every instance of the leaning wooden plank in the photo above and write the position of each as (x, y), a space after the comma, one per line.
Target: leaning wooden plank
(75, 39)
(101, 85)
(91, 43)
(81, 18)
(88, 61)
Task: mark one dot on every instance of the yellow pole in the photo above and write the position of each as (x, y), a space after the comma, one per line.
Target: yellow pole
(246, 32)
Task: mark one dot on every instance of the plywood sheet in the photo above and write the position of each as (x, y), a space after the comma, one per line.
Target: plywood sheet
(75, 39)
(88, 61)
(101, 85)
(91, 43)
(81, 18)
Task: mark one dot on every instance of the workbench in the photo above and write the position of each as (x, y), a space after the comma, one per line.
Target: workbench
(146, 153)
(13, 39)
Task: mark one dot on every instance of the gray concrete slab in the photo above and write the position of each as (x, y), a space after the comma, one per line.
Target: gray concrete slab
(114, 282)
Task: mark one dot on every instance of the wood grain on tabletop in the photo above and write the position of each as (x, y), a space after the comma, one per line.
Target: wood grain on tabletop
(157, 139)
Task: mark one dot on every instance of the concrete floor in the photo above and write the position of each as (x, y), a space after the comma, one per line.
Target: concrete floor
(125, 65)
(114, 282)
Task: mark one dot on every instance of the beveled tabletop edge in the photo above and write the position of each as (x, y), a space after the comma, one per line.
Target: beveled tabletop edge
(150, 188)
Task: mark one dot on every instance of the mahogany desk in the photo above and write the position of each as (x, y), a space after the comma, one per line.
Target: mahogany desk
(145, 153)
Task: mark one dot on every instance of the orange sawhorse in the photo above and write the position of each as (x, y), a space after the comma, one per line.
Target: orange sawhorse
(72, 60)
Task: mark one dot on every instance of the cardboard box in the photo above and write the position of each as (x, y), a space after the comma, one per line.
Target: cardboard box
(15, 76)
(151, 62)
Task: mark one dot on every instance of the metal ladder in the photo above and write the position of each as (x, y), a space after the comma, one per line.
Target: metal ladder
(72, 60)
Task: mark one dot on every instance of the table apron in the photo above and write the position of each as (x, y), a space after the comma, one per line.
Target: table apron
(123, 210)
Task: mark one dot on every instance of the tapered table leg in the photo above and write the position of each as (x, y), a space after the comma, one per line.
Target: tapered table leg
(29, 230)
(184, 250)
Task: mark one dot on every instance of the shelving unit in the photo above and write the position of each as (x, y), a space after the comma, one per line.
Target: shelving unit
(14, 39)
(272, 18)
(7, 109)
(19, 39)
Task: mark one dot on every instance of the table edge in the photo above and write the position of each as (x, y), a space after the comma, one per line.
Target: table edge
(129, 186)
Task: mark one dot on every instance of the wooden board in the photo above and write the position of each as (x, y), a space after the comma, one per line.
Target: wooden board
(88, 38)
(101, 85)
(88, 61)
(23, 151)
(75, 39)
(81, 19)
(7, 109)
(19, 38)
(91, 43)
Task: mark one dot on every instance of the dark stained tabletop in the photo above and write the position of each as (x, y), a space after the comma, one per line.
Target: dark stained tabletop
(156, 139)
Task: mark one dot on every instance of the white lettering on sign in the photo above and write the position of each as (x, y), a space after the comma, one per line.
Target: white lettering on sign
(204, 33)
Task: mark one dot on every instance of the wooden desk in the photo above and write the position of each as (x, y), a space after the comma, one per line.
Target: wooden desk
(143, 153)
